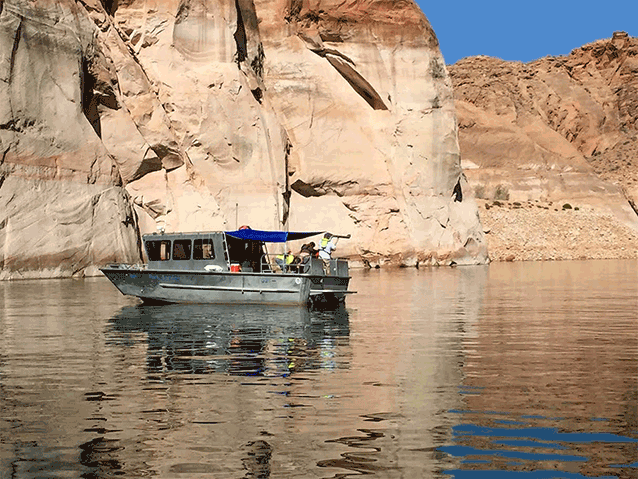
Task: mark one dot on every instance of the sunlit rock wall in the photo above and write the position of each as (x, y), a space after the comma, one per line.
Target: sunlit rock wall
(202, 114)
(62, 209)
(363, 94)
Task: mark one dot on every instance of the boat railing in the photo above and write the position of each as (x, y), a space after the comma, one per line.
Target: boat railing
(274, 263)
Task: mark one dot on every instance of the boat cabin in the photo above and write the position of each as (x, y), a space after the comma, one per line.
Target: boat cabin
(210, 251)
(214, 251)
(219, 251)
(187, 251)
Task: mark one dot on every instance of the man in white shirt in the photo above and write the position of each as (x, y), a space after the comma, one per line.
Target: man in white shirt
(328, 245)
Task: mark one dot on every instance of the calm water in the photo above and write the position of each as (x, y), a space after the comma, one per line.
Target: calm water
(523, 370)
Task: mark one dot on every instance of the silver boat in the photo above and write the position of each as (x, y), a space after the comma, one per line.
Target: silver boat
(226, 267)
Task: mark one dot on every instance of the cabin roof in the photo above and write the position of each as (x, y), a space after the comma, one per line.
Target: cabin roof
(181, 235)
(245, 234)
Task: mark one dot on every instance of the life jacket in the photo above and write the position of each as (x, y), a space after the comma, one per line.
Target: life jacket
(286, 258)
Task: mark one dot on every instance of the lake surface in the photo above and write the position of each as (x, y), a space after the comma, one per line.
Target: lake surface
(523, 370)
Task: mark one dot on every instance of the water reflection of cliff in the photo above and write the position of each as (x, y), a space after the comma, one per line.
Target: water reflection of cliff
(549, 373)
(235, 340)
(556, 337)
(408, 349)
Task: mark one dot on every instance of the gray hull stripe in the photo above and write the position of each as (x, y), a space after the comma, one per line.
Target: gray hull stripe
(226, 288)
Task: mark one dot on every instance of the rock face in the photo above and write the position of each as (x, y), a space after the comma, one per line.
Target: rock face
(122, 116)
(554, 142)
(62, 207)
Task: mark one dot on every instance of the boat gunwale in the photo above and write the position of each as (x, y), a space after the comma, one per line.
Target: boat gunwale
(219, 273)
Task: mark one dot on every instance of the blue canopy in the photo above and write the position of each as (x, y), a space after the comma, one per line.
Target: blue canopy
(271, 236)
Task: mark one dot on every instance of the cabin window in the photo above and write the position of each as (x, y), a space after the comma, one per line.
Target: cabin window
(158, 250)
(203, 249)
(182, 249)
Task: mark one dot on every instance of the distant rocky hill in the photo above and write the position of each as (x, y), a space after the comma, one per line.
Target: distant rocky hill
(550, 149)
(122, 116)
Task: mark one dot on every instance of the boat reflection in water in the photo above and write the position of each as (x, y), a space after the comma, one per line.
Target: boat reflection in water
(243, 340)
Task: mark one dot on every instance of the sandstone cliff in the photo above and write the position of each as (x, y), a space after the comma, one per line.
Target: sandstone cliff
(62, 207)
(121, 116)
(550, 148)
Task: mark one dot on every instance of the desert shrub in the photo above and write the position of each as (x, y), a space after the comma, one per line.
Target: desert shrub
(567, 206)
(437, 69)
(501, 193)
(479, 192)
(497, 203)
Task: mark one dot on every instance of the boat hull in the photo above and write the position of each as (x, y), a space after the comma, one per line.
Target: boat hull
(328, 289)
(332, 287)
(210, 287)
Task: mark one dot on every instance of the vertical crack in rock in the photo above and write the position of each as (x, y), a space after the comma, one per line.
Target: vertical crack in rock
(110, 6)
(250, 50)
(293, 10)
(250, 25)
(240, 36)
(11, 124)
(4, 155)
(457, 193)
(182, 11)
(257, 93)
(89, 98)
(257, 63)
(14, 49)
(272, 160)
(287, 189)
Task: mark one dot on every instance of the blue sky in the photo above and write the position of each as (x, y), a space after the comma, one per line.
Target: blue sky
(525, 31)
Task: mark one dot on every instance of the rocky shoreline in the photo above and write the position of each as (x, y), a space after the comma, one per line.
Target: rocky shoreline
(546, 231)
